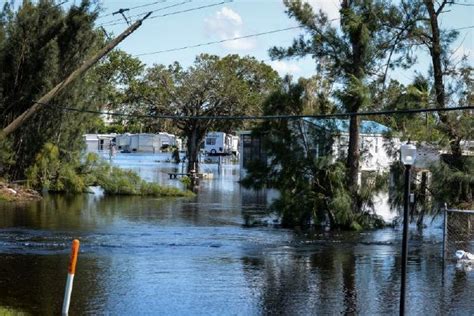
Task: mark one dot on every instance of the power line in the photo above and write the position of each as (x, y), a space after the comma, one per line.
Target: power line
(219, 41)
(119, 21)
(264, 117)
(192, 9)
(178, 12)
(464, 28)
(136, 7)
(224, 40)
(463, 4)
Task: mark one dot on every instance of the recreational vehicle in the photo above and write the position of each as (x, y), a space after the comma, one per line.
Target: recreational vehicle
(218, 143)
(98, 142)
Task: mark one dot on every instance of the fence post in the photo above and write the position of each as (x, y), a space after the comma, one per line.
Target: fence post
(445, 228)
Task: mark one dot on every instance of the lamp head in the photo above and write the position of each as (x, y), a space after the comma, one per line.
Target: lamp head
(408, 154)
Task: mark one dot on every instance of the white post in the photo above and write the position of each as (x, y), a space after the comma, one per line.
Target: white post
(70, 276)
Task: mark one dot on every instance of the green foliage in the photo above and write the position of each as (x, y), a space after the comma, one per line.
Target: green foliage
(116, 181)
(49, 172)
(119, 76)
(312, 185)
(186, 181)
(448, 183)
(356, 56)
(40, 44)
(212, 86)
(453, 185)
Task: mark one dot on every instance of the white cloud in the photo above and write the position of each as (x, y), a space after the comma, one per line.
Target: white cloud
(284, 68)
(330, 7)
(225, 24)
(231, 15)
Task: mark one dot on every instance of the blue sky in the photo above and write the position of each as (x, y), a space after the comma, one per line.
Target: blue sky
(243, 17)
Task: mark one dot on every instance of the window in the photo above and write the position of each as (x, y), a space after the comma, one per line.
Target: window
(211, 141)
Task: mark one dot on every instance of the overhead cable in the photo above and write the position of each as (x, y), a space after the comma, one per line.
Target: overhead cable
(464, 28)
(219, 41)
(178, 12)
(263, 117)
(224, 40)
(136, 7)
(119, 21)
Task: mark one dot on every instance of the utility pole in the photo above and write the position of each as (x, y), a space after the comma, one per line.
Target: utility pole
(121, 12)
(86, 65)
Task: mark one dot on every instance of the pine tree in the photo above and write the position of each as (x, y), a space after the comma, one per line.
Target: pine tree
(368, 39)
(40, 44)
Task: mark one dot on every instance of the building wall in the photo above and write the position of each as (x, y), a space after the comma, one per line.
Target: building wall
(250, 149)
(374, 153)
(373, 149)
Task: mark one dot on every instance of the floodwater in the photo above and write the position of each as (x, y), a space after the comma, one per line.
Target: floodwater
(203, 256)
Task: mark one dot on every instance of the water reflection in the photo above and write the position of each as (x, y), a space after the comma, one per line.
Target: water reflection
(209, 255)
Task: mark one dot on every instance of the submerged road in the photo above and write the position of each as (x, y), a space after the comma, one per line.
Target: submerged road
(199, 256)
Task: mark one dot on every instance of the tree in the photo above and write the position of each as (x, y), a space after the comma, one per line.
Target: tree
(299, 165)
(449, 83)
(118, 77)
(41, 44)
(428, 34)
(212, 86)
(353, 55)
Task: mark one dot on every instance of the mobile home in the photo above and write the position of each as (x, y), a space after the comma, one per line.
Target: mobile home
(144, 143)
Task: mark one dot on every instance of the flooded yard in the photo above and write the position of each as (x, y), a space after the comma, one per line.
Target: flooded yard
(199, 256)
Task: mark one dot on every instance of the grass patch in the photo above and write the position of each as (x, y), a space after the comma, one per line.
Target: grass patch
(53, 172)
(116, 181)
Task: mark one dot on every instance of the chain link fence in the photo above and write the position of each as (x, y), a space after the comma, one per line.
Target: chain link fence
(458, 232)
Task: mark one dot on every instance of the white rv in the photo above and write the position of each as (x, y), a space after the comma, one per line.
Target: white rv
(98, 142)
(166, 140)
(218, 143)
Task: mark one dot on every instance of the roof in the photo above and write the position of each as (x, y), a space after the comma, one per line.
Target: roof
(99, 136)
(342, 126)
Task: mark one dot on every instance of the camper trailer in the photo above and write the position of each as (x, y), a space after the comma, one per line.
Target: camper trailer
(98, 142)
(166, 140)
(218, 143)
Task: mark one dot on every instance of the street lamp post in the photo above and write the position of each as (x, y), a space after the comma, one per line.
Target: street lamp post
(408, 156)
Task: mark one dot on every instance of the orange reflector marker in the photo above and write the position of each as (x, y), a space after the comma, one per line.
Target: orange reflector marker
(70, 276)
(73, 258)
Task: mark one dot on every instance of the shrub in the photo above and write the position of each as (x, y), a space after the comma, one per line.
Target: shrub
(51, 173)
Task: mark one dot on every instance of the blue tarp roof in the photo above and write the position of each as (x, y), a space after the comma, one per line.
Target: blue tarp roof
(342, 126)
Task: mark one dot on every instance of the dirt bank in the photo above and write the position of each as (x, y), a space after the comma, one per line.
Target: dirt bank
(16, 193)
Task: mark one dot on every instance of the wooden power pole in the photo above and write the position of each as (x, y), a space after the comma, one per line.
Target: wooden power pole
(73, 76)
